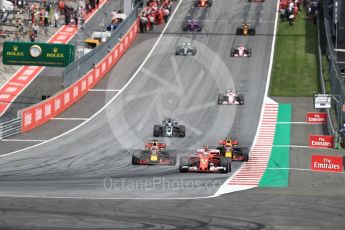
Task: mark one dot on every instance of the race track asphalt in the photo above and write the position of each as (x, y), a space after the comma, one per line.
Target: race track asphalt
(84, 180)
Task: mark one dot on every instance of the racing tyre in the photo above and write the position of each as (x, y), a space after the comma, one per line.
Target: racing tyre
(232, 52)
(135, 158)
(185, 28)
(226, 163)
(157, 131)
(182, 131)
(252, 31)
(245, 153)
(241, 99)
(172, 158)
(220, 100)
(245, 157)
(183, 162)
(238, 31)
(194, 52)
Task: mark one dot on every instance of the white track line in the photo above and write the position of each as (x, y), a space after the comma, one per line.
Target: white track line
(293, 146)
(69, 118)
(301, 169)
(22, 140)
(112, 99)
(104, 90)
(298, 123)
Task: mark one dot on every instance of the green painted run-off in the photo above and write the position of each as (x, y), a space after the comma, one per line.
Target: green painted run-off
(277, 172)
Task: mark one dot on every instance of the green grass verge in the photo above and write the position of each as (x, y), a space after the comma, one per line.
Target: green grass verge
(295, 65)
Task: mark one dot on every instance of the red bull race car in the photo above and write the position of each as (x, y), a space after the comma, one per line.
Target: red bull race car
(205, 160)
(155, 153)
(229, 148)
(230, 97)
(203, 3)
(241, 50)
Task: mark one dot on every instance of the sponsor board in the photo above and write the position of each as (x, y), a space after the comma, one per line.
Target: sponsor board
(320, 141)
(327, 163)
(40, 113)
(316, 118)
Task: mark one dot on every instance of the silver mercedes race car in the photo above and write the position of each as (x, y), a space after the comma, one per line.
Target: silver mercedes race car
(230, 97)
(241, 50)
(186, 49)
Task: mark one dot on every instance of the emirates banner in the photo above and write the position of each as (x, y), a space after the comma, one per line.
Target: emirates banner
(320, 141)
(316, 118)
(327, 163)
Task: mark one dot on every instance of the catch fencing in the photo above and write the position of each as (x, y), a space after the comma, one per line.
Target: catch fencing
(336, 80)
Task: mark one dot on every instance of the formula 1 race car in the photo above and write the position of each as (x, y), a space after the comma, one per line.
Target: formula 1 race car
(241, 50)
(185, 49)
(245, 30)
(205, 160)
(155, 153)
(203, 3)
(229, 148)
(230, 97)
(169, 128)
(192, 25)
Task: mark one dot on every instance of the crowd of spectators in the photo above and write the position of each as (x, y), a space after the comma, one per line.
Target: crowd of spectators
(39, 16)
(154, 13)
(289, 9)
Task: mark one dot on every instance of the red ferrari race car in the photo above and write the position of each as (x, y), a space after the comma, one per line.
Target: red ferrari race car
(229, 148)
(203, 3)
(205, 160)
(155, 153)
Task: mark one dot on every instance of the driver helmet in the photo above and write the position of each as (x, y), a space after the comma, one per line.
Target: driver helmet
(206, 148)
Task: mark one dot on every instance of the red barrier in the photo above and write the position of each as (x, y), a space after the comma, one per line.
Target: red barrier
(316, 118)
(327, 163)
(320, 141)
(40, 113)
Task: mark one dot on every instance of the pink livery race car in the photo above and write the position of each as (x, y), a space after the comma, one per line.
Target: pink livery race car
(206, 160)
(241, 50)
(230, 97)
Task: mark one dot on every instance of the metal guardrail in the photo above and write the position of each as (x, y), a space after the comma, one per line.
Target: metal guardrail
(337, 81)
(10, 128)
(330, 126)
(80, 67)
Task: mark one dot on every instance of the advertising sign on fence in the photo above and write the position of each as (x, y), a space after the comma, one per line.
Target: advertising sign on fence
(327, 163)
(320, 141)
(37, 54)
(316, 118)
